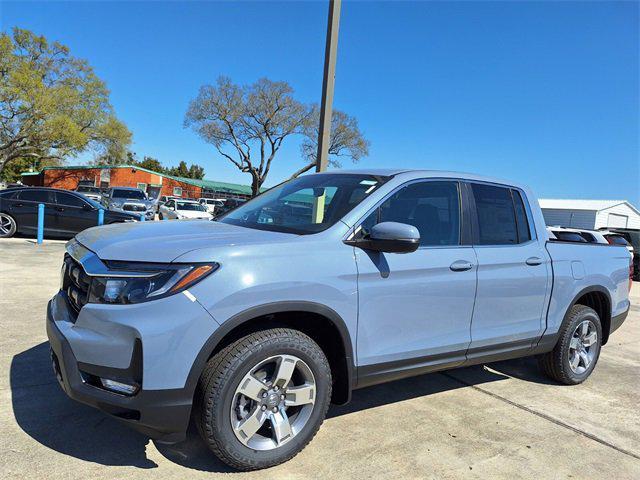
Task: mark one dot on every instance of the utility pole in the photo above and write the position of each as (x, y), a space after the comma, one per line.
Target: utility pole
(328, 81)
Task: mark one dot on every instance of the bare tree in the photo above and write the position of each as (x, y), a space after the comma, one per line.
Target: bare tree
(247, 124)
(346, 140)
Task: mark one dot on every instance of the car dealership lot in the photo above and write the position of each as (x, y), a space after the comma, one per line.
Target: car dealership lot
(501, 420)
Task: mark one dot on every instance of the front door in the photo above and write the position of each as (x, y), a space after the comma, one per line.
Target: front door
(415, 309)
(73, 214)
(513, 273)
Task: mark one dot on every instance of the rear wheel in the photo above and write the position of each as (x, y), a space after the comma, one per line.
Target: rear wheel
(8, 226)
(263, 398)
(578, 349)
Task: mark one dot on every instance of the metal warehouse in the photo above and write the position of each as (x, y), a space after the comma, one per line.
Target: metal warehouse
(590, 214)
(151, 182)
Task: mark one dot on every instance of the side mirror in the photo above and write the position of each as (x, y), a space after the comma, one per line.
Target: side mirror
(391, 237)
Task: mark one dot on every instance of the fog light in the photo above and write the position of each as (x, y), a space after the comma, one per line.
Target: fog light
(119, 387)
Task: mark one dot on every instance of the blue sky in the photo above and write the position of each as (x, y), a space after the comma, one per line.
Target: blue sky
(546, 93)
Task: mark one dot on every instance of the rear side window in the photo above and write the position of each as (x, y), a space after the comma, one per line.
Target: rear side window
(41, 196)
(496, 215)
(524, 232)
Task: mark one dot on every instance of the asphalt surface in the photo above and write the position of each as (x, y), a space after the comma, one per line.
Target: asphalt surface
(502, 420)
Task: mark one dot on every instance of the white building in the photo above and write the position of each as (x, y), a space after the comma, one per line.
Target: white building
(590, 214)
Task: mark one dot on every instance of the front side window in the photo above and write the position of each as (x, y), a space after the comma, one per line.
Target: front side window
(496, 215)
(68, 199)
(305, 205)
(432, 207)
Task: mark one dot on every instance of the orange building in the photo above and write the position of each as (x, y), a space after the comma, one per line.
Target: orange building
(68, 178)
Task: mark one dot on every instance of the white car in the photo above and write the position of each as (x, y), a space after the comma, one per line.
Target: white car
(589, 236)
(211, 204)
(176, 209)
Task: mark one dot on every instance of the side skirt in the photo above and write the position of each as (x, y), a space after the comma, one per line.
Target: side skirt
(389, 371)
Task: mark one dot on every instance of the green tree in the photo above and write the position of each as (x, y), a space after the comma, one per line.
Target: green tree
(151, 163)
(52, 105)
(182, 170)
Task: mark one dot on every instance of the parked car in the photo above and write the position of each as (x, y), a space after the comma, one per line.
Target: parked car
(183, 210)
(565, 234)
(211, 204)
(229, 204)
(65, 213)
(129, 200)
(633, 237)
(252, 324)
(94, 193)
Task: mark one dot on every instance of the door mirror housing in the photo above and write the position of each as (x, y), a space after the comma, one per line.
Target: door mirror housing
(390, 237)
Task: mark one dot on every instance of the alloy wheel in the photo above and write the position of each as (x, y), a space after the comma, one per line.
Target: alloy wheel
(6, 224)
(273, 402)
(583, 346)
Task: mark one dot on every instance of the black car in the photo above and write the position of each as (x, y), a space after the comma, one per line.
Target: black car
(65, 213)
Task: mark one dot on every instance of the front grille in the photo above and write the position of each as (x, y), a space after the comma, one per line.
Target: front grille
(133, 208)
(75, 283)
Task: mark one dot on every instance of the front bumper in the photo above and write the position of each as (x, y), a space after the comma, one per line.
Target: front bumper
(160, 414)
(148, 214)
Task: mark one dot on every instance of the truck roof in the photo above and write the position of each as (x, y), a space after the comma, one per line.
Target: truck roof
(419, 173)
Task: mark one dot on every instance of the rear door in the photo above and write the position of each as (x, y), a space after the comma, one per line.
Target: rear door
(73, 214)
(24, 209)
(513, 271)
(415, 309)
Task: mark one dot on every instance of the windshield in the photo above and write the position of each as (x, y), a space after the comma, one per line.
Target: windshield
(308, 204)
(87, 189)
(92, 202)
(191, 206)
(136, 194)
(617, 240)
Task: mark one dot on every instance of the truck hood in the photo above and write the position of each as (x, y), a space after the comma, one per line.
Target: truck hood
(165, 241)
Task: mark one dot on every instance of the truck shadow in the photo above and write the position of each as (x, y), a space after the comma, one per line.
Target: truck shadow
(45, 413)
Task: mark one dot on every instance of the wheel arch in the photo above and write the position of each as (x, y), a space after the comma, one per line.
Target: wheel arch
(320, 322)
(598, 298)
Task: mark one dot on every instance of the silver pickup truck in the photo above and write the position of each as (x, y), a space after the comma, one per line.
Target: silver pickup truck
(254, 323)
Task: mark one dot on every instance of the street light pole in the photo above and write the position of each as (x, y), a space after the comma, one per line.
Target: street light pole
(328, 81)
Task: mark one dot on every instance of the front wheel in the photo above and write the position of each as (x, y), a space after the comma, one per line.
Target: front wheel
(262, 399)
(575, 355)
(8, 226)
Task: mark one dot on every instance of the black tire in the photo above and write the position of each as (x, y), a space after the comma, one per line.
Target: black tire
(555, 364)
(8, 226)
(215, 395)
(160, 217)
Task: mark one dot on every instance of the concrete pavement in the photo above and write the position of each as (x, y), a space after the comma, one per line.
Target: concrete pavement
(503, 420)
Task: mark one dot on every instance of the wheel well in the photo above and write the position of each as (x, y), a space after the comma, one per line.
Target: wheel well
(320, 328)
(600, 303)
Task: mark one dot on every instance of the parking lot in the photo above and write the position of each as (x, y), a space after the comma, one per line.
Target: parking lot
(502, 420)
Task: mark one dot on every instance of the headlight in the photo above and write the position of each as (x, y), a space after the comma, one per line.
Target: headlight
(151, 284)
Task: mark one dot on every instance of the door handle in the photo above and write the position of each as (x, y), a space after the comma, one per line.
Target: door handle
(533, 261)
(461, 266)
(60, 209)
(18, 205)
